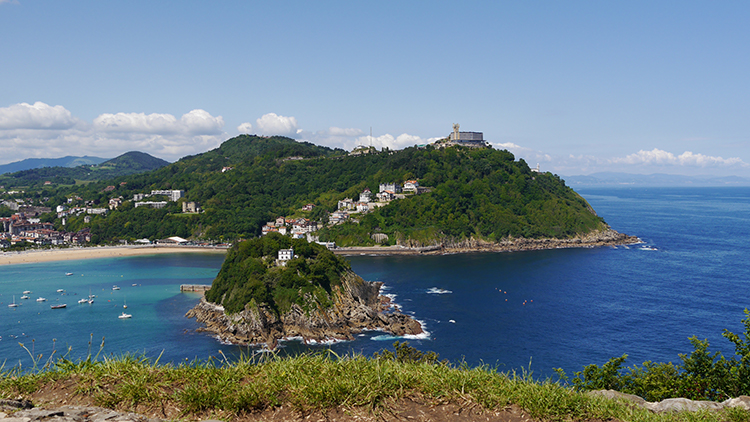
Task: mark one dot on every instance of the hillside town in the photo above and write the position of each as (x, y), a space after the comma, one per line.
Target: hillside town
(25, 226)
(347, 209)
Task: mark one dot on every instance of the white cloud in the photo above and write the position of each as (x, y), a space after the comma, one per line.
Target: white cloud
(38, 116)
(687, 159)
(349, 138)
(42, 131)
(245, 128)
(196, 122)
(273, 124)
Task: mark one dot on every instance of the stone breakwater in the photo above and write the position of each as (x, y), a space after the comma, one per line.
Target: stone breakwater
(357, 306)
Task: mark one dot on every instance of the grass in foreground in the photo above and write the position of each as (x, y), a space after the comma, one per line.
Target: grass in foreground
(218, 389)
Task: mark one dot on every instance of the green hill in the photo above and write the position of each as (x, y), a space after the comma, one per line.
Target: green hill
(249, 180)
(126, 164)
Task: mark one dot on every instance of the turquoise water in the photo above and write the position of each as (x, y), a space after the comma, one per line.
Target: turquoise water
(149, 285)
(547, 309)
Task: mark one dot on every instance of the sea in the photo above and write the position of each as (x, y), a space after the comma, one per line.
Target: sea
(523, 312)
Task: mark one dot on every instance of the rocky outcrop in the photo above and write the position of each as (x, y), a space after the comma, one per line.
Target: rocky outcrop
(357, 306)
(604, 237)
(74, 414)
(677, 404)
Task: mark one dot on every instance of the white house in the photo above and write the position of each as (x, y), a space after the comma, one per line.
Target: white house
(346, 204)
(365, 195)
(411, 186)
(286, 254)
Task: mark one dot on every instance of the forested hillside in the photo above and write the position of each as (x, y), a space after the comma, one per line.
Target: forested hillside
(250, 275)
(249, 180)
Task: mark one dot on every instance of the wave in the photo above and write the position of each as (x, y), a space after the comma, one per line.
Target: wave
(438, 291)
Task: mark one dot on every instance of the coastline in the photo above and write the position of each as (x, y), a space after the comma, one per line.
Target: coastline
(607, 237)
(73, 254)
(603, 238)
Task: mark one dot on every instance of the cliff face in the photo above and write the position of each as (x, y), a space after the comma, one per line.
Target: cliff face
(357, 306)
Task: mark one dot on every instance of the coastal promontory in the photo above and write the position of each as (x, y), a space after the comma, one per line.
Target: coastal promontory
(274, 287)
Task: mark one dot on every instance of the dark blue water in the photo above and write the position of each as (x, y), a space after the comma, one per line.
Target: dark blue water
(545, 309)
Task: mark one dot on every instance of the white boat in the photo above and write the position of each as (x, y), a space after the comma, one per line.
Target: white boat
(125, 316)
(115, 287)
(90, 301)
(60, 290)
(41, 299)
(84, 300)
(14, 304)
(27, 292)
(25, 297)
(60, 306)
(68, 274)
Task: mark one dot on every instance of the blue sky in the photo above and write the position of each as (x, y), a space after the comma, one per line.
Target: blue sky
(577, 87)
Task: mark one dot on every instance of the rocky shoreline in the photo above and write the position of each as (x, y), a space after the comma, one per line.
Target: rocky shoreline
(358, 306)
(606, 237)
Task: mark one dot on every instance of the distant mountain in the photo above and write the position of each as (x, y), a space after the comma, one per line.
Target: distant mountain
(34, 163)
(657, 179)
(133, 162)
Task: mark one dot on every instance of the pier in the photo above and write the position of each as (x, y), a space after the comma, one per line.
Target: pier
(198, 288)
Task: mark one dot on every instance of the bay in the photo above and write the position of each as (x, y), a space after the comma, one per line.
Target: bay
(515, 311)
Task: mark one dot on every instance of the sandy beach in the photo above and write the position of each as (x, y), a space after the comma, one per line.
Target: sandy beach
(71, 254)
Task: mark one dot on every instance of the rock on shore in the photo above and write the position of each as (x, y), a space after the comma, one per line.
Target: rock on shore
(358, 306)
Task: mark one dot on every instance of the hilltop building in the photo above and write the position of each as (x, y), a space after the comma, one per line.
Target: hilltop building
(466, 139)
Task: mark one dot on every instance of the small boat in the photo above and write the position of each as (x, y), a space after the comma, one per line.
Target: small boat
(91, 301)
(27, 292)
(124, 304)
(60, 306)
(84, 300)
(41, 299)
(125, 316)
(115, 287)
(14, 304)
(60, 290)
(25, 297)
(68, 274)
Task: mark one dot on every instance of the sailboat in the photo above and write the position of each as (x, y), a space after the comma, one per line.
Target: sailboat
(124, 304)
(14, 304)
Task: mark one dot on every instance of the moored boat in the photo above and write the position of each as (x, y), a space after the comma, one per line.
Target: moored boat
(41, 299)
(125, 316)
(60, 306)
